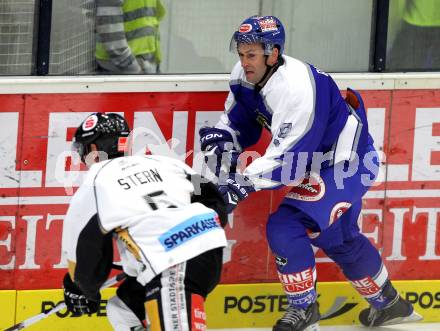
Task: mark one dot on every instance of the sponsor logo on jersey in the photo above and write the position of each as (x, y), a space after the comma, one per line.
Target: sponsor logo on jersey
(245, 28)
(312, 188)
(367, 287)
(303, 299)
(299, 282)
(175, 298)
(189, 229)
(198, 320)
(90, 123)
(299, 287)
(337, 211)
(267, 25)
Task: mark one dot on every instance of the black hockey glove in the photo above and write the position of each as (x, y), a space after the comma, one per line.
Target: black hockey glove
(76, 301)
(207, 193)
(218, 147)
(234, 188)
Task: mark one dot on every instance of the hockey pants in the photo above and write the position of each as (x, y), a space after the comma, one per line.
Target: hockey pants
(173, 300)
(291, 234)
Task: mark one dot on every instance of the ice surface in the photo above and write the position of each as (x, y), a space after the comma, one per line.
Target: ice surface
(401, 327)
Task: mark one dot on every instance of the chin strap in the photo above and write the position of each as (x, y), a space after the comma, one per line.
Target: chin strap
(269, 72)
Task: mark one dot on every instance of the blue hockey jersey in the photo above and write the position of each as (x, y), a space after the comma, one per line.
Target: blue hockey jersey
(304, 111)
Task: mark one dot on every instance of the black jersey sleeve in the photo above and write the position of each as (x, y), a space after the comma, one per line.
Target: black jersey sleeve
(209, 196)
(94, 253)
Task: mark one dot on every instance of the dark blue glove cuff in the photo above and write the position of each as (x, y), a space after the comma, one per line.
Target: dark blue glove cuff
(234, 188)
(241, 185)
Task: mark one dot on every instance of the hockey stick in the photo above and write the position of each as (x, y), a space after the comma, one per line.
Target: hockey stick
(34, 319)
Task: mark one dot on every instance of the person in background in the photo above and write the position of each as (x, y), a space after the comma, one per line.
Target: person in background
(416, 46)
(168, 223)
(127, 36)
(317, 138)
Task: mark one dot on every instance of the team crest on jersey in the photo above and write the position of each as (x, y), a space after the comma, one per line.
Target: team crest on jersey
(338, 210)
(90, 123)
(284, 130)
(312, 188)
(245, 28)
(267, 25)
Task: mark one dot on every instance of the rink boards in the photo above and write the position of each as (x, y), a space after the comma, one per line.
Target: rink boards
(228, 306)
(38, 177)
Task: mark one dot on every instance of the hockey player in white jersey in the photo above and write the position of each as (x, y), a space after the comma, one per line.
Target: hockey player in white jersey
(317, 138)
(167, 220)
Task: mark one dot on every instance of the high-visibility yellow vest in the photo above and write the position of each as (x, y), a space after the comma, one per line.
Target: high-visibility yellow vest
(141, 25)
(423, 13)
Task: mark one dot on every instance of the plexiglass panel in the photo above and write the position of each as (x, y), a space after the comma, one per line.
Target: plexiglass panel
(334, 35)
(413, 42)
(16, 35)
(72, 44)
(194, 34)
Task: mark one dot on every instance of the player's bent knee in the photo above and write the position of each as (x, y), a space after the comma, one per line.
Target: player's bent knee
(277, 223)
(274, 232)
(283, 230)
(350, 250)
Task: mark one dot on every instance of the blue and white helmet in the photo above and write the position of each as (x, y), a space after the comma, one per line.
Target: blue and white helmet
(267, 30)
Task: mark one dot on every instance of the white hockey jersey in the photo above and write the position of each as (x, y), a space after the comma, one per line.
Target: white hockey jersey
(146, 202)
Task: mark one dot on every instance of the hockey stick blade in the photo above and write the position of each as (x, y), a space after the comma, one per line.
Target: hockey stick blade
(34, 319)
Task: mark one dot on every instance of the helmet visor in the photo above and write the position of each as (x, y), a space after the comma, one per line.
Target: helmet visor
(240, 38)
(78, 148)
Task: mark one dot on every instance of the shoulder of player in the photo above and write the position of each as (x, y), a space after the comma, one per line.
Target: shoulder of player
(290, 82)
(90, 176)
(171, 163)
(293, 74)
(102, 171)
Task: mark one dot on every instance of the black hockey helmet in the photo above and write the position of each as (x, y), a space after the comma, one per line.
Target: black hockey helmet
(109, 132)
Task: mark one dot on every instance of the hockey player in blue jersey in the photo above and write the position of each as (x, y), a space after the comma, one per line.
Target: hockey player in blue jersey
(322, 150)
